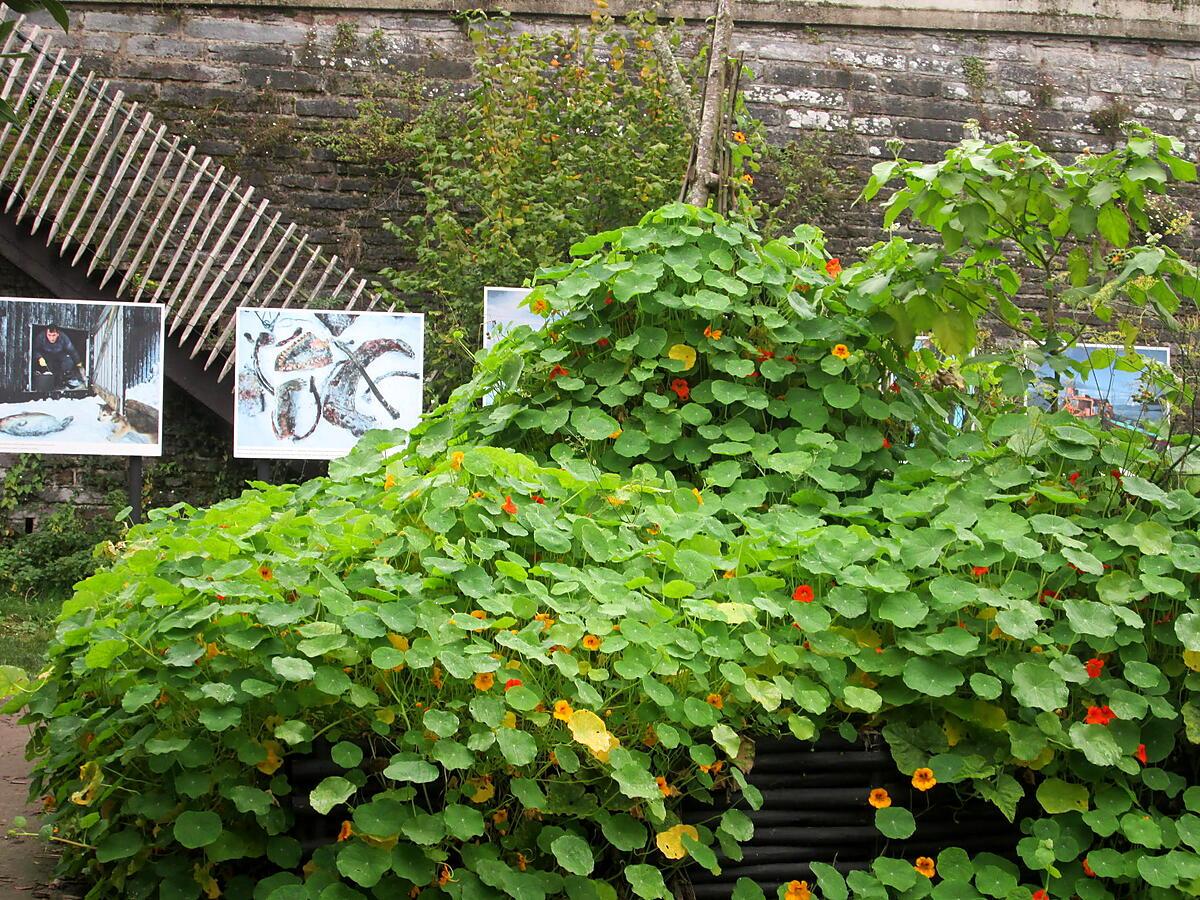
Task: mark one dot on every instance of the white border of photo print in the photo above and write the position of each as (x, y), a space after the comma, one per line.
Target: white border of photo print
(110, 403)
(310, 382)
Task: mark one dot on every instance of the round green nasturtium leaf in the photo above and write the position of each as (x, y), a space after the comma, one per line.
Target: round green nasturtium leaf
(1058, 796)
(119, 845)
(841, 394)
(573, 854)
(346, 755)
(624, 832)
(647, 882)
(463, 822)
(197, 829)
(329, 793)
(363, 863)
(292, 668)
(895, 822)
(928, 676)
(1036, 685)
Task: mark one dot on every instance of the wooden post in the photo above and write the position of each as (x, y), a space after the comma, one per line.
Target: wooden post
(262, 469)
(134, 483)
(703, 177)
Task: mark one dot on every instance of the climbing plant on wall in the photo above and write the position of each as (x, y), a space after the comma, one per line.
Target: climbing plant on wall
(716, 498)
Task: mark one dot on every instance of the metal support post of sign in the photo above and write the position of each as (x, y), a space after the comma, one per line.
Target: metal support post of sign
(262, 469)
(134, 483)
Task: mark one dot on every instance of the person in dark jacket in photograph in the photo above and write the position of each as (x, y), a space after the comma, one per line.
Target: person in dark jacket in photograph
(55, 354)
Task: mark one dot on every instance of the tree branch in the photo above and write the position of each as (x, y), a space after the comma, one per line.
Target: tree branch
(700, 178)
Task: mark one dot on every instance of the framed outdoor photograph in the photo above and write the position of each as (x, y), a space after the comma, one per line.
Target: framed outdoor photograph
(1116, 393)
(81, 377)
(310, 383)
(502, 312)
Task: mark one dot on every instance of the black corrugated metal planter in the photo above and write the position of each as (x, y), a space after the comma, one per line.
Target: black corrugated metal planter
(815, 809)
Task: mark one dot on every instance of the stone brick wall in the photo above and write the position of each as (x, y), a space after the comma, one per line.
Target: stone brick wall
(254, 84)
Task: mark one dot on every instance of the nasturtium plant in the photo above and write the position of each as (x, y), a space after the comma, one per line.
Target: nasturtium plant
(718, 496)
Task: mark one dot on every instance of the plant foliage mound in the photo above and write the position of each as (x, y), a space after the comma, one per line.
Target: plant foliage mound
(717, 497)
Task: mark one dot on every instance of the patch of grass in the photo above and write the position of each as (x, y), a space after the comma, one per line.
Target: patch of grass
(26, 624)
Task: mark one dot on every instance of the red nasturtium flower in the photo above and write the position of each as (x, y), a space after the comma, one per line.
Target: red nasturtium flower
(833, 267)
(1140, 754)
(1087, 870)
(265, 573)
(538, 498)
(1116, 473)
(1073, 477)
(681, 389)
(764, 355)
(512, 683)
(603, 342)
(803, 594)
(1095, 666)
(1040, 894)
(1099, 715)
(887, 445)
(979, 571)
(509, 507)
(559, 370)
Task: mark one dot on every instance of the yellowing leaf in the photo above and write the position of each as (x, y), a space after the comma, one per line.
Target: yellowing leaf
(92, 778)
(484, 790)
(684, 354)
(588, 729)
(670, 842)
(1191, 659)
(274, 758)
(386, 716)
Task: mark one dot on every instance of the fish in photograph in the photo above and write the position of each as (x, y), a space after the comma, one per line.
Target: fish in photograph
(297, 409)
(302, 351)
(34, 424)
(365, 367)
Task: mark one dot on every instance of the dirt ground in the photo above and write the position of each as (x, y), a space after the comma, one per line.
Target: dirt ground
(26, 864)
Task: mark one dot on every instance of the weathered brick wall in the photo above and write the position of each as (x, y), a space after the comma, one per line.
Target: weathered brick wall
(254, 85)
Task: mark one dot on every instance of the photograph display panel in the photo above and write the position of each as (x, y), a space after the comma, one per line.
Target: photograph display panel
(1114, 394)
(81, 377)
(310, 383)
(502, 312)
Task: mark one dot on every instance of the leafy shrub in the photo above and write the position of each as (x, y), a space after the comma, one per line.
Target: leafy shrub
(49, 562)
(716, 497)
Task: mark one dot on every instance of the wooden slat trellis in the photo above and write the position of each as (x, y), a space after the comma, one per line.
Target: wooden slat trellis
(143, 208)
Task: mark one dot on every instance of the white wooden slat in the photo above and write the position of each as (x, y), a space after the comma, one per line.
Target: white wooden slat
(130, 191)
(115, 183)
(235, 285)
(277, 280)
(60, 136)
(148, 198)
(29, 81)
(213, 216)
(358, 289)
(46, 205)
(337, 291)
(267, 268)
(149, 240)
(197, 214)
(230, 259)
(78, 179)
(287, 300)
(315, 293)
(196, 285)
(17, 58)
(47, 123)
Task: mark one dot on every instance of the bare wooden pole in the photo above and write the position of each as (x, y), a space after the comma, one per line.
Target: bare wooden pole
(702, 177)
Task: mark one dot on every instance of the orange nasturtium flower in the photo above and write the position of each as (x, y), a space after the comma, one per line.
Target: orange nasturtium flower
(484, 681)
(797, 890)
(265, 573)
(665, 789)
(880, 798)
(841, 351)
(925, 866)
(346, 831)
(456, 459)
(748, 178)
(923, 779)
(562, 710)
(508, 505)
(716, 701)
(389, 482)
(833, 267)
(591, 642)
(539, 306)
(699, 497)
(739, 137)
(713, 334)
